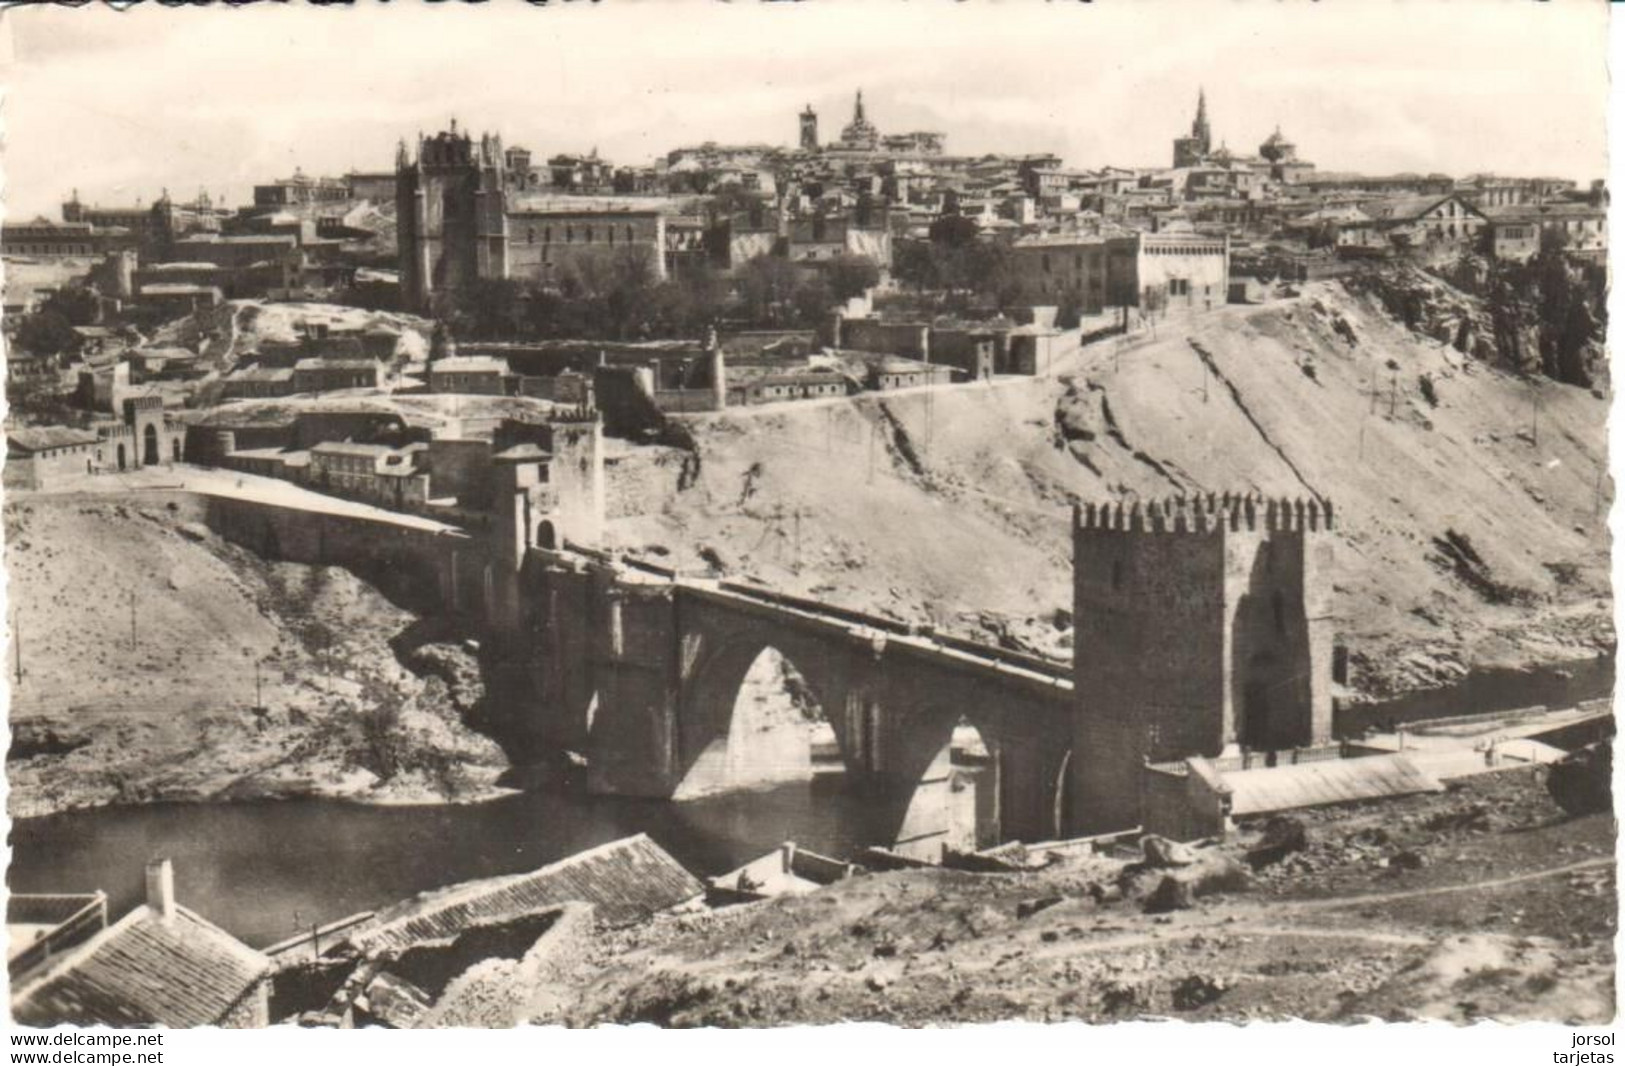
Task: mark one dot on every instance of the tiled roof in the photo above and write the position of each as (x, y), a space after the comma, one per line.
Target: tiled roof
(626, 881)
(142, 970)
(44, 438)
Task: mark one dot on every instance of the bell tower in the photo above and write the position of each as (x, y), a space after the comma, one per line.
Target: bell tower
(809, 130)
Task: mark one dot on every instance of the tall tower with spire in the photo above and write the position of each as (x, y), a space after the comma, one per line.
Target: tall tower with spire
(1191, 150)
(860, 132)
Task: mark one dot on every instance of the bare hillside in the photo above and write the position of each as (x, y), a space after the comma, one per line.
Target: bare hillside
(1471, 503)
(107, 711)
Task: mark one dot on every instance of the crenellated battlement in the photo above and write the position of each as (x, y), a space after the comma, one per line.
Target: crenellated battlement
(1208, 513)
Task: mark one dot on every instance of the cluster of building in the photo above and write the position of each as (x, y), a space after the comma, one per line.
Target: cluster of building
(300, 238)
(470, 208)
(41, 456)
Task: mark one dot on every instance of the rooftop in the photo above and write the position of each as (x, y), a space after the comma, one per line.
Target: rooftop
(625, 880)
(143, 970)
(45, 438)
(469, 364)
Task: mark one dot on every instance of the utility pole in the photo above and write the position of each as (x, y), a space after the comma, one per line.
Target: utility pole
(1204, 380)
(132, 619)
(1534, 424)
(259, 699)
(17, 624)
(1393, 395)
(798, 537)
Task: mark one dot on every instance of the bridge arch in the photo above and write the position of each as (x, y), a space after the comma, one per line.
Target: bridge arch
(750, 712)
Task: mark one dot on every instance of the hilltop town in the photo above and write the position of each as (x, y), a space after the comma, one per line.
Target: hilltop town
(1122, 535)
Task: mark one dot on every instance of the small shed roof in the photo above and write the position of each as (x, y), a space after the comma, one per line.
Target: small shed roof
(1313, 784)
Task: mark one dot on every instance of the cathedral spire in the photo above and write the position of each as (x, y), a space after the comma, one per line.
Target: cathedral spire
(857, 109)
(1199, 129)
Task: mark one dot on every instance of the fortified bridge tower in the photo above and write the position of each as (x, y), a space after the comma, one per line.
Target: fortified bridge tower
(1201, 624)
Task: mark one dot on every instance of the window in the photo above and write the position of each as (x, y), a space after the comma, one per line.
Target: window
(569, 234)
(530, 234)
(547, 234)
(629, 233)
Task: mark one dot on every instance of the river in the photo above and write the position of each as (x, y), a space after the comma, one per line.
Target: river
(267, 869)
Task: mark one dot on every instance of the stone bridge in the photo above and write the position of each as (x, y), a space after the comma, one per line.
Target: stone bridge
(641, 670)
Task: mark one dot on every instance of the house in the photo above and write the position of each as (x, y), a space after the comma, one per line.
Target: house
(374, 473)
(160, 965)
(880, 372)
(178, 298)
(1516, 231)
(258, 382)
(1167, 271)
(1417, 221)
(38, 456)
(1056, 268)
(319, 374)
(480, 375)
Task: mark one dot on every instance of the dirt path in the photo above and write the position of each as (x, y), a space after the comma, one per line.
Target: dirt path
(1439, 890)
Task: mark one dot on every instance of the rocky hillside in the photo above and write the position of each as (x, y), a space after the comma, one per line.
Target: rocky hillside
(1471, 502)
(140, 634)
(222, 335)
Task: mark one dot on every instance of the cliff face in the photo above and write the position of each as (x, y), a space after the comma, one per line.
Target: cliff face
(1472, 502)
(1541, 317)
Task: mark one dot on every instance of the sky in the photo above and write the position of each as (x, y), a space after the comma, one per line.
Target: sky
(122, 105)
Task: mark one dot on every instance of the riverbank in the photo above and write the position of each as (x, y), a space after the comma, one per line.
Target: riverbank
(1484, 901)
(160, 663)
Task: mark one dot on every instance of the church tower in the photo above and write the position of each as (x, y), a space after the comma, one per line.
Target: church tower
(809, 130)
(451, 215)
(1190, 151)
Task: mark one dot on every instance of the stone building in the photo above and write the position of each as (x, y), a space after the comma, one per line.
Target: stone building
(321, 374)
(1158, 272)
(548, 239)
(38, 457)
(1052, 268)
(481, 375)
(1203, 626)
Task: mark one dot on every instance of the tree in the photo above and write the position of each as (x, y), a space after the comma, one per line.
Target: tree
(852, 275)
(766, 287)
(79, 305)
(46, 332)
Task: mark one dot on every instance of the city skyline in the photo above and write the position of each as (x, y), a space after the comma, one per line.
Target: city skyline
(1372, 109)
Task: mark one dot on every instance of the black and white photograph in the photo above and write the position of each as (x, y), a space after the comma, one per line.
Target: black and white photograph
(745, 516)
